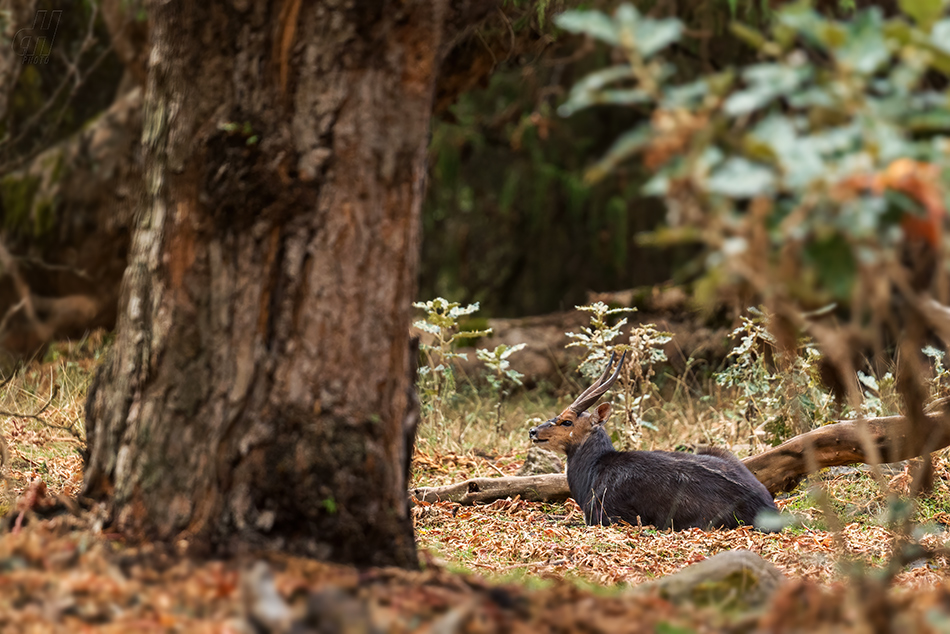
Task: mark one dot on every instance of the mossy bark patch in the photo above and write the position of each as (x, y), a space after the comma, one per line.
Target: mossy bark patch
(17, 192)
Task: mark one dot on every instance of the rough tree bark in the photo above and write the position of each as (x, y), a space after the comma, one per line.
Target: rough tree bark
(258, 391)
(780, 468)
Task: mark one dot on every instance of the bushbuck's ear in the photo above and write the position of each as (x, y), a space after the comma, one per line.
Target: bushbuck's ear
(601, 414)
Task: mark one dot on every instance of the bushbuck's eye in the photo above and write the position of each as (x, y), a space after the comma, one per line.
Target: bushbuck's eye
(567, 422)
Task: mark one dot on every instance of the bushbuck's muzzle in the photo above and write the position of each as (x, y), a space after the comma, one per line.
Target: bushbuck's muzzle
(533, 432)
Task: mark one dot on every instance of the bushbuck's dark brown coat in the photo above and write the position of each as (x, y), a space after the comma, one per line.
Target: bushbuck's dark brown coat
(667, 489)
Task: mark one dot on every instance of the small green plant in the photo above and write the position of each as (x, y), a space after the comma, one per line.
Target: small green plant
(779, 394)
(877, 394)
(750, 374)
(940, 383)
(246, 130)
(436, 377)
(598, 338)
(501, 375)
(644, 349)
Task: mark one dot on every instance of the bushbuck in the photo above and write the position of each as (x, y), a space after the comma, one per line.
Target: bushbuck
(668, 489)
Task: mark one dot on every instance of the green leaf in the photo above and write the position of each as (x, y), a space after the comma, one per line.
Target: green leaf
(627, 19)
(686, 95)
(746, 101)
(747, 34)
(599, 79)
(655, 35)
(626, 97)
(941, 56)
(899, 31)
(586, 92)
(834, 265)
(740, 178)
(513, 349)
(645, 35)
(427, 327)
(592, 23)
(863, 217)
(924, 12)
(765, 83)
(904, 204)
(778, 132)
(864, 49)
(800, 157)
(813, 96)
(929, 121)
(800, 17)
(659, 185)
(940, 35)
(627, 145)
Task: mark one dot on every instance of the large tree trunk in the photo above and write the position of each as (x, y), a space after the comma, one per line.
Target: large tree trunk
(258, 390)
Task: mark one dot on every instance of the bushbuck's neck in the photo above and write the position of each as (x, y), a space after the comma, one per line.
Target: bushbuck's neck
(582, 471)
(595, 445)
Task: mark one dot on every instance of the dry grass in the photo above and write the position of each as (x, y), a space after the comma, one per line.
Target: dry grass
(48, 446)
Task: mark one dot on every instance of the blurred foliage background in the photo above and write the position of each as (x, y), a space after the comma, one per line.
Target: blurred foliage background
(509, 220)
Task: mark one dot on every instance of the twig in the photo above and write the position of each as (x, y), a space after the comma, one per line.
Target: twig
(71, 429)
(500, 472)
(54, 389)
(21, 456)
(7, 380)
(22, 289)
(511, 33)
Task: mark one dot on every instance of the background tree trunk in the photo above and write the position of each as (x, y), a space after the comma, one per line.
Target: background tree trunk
(258, 390)
(75, 206)
(19, 14)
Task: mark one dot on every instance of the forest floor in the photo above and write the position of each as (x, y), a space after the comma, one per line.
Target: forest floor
(510, 566)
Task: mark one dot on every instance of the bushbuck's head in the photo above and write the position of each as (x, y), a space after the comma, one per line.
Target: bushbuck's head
(572, 426)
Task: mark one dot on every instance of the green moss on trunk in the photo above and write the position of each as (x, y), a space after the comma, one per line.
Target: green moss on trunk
(17, 193)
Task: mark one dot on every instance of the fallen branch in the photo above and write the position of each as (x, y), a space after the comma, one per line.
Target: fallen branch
(780, 468)
(539, 488)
